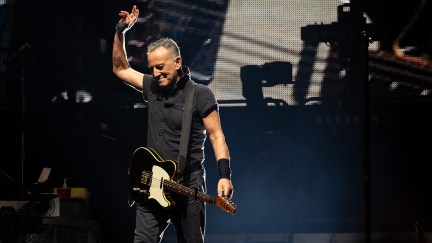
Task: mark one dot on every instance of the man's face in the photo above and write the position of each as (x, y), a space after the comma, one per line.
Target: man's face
(163, 66)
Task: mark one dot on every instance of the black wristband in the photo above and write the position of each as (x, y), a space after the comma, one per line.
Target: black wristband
(224, 168)
(122, 27)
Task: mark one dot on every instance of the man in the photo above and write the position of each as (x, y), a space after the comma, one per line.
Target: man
(164, 92)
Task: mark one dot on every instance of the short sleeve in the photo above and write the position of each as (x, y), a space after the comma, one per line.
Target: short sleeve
(206, 101)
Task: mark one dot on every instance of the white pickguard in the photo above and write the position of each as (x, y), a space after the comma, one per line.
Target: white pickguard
(156, 186)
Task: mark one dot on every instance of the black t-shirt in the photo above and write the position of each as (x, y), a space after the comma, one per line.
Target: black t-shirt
(165, 115)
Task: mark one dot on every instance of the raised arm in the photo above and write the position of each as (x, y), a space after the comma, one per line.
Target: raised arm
(120, 64)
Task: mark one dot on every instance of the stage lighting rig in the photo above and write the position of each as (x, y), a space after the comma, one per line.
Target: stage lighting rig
(349, 35)
(255, 77)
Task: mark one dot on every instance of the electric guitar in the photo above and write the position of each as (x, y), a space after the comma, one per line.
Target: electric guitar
(151, 177)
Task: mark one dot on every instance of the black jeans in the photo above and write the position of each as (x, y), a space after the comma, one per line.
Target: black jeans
(187, 216)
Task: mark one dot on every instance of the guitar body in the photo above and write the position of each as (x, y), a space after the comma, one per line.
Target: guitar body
(147, 173)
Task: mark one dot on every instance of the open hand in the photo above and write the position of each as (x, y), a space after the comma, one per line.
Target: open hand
(129, 18)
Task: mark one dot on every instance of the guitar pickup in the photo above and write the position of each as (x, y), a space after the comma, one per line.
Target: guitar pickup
(146, 178)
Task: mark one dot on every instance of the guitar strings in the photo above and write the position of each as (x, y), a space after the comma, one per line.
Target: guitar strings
(176, 186)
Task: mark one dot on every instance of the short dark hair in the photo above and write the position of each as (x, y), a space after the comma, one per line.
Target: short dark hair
(166, 42)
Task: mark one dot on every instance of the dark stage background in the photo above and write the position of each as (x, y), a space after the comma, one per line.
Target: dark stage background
(291, 84)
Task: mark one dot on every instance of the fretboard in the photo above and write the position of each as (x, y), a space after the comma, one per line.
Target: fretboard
(187, 191)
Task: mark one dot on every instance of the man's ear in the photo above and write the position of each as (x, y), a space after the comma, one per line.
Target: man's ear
(178, 62)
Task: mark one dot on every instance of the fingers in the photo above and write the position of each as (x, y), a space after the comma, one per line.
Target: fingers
(134, 13)
(129, 18)
(225, 194)
(135, 10)
(228, 193)
(225, 188)
(221, 192)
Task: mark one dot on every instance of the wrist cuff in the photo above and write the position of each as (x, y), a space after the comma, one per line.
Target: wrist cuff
(224, 168)
(122, 27)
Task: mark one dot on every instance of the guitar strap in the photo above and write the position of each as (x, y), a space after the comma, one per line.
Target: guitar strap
(189, 92)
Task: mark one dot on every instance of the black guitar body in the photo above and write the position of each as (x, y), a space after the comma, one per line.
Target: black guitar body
(146, 174)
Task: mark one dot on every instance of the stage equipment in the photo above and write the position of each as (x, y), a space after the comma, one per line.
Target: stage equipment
(255, 77)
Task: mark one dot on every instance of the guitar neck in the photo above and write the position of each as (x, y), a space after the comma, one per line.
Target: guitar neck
(187, 191)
